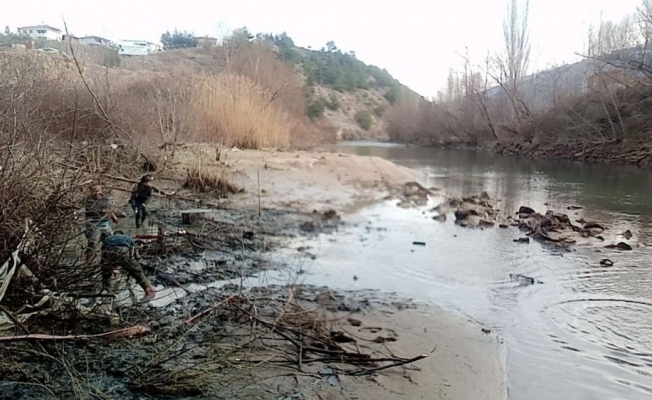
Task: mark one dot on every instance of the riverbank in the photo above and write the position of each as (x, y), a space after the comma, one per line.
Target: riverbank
(622, 151)
(228, 352)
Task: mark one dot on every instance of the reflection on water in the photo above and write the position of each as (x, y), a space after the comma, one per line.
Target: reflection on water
(585, 333)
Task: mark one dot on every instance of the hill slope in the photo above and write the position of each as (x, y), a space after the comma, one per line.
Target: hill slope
(341, 94)
(344, 93)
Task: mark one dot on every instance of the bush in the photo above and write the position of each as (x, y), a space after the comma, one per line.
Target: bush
(333, 103)
(364, 119)
(315, 109)
(208, 181)
(392, 95)
(112, 60)
(379, 110)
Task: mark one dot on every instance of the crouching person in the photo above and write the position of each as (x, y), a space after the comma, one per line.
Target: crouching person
(119, 252)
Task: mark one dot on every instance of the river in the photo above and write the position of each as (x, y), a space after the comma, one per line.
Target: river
(583, 334)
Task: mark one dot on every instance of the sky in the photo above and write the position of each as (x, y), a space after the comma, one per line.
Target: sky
(417, 41)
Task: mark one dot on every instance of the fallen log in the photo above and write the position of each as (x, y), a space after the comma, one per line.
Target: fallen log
(125, 332)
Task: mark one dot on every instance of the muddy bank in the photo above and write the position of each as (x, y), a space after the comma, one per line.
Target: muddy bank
(300, 342)
(622, 151)
(219, 329)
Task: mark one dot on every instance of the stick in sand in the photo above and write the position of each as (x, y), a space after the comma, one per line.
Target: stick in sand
(260, 211)
(125, 332)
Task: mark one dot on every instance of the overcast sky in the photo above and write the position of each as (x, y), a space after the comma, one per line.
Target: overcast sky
(415, 40)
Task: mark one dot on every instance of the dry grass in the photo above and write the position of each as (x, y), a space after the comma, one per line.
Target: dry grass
(234, 109)
(208, 181)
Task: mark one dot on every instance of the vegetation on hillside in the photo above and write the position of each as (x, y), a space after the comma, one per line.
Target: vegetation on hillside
(339, 70)
(603, 99)
(178, 40)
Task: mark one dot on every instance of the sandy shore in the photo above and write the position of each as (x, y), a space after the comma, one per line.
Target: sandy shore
(466, 364)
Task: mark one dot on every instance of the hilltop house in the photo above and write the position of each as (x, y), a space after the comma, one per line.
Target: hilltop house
(40, 32)
(153, 47)
(137, 47)
(70, 38)
(206, 41)
(96, 41)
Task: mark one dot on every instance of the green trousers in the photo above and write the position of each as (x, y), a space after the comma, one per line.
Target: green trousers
(121, 258)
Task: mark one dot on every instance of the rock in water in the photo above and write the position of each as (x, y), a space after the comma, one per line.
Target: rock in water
(619, 246)
(627, 234)
(526, 280)
(440, 217)
(623, 246)
(525, 210)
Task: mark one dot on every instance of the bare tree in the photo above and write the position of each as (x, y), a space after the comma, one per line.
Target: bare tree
(513, 64)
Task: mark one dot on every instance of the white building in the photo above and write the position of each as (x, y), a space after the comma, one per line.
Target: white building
(96, 41)
(41, 32)
(153, 47)
(137, 47)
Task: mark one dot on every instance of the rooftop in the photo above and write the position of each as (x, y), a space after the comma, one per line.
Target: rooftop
(42, 26)
(95, 37)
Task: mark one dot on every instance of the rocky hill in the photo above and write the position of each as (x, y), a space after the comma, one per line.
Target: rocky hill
(345, 94)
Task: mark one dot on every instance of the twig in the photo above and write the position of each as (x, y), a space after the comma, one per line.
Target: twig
(260, 212)
(125, 332)
(210, 309)
(396, 364)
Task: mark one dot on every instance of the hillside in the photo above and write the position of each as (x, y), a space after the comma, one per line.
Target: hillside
(343, 96)
(344, 92)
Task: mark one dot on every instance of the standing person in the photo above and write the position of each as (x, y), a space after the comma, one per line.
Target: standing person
(139, 198)
(119, 251)
(98, 220)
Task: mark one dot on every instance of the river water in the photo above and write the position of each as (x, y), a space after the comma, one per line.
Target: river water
(585, 333)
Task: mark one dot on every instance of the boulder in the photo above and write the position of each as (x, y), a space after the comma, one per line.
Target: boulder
(525, 210)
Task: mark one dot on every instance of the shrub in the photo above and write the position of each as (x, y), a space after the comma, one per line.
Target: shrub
(111, 60)
(315, 109)
(364, 119)
(208, 181)
(333, 103)
(379, 110)
(392, 95)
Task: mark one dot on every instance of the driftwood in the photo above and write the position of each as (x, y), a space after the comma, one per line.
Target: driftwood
(125, 332)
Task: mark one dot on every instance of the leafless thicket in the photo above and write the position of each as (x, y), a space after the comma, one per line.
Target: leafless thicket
(602, 98)
(67, 123)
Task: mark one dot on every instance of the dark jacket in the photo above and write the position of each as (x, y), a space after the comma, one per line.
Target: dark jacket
(97, 209)
(141, 194)
(115, 241)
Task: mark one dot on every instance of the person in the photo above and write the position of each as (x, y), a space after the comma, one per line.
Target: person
(139, 198)
(119, 252)
(98, 219)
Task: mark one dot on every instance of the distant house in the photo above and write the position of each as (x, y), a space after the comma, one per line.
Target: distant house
(206, 41)
(41, 32)
(137, 47)
(70, 38)
(96, 41)
(153, 47)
